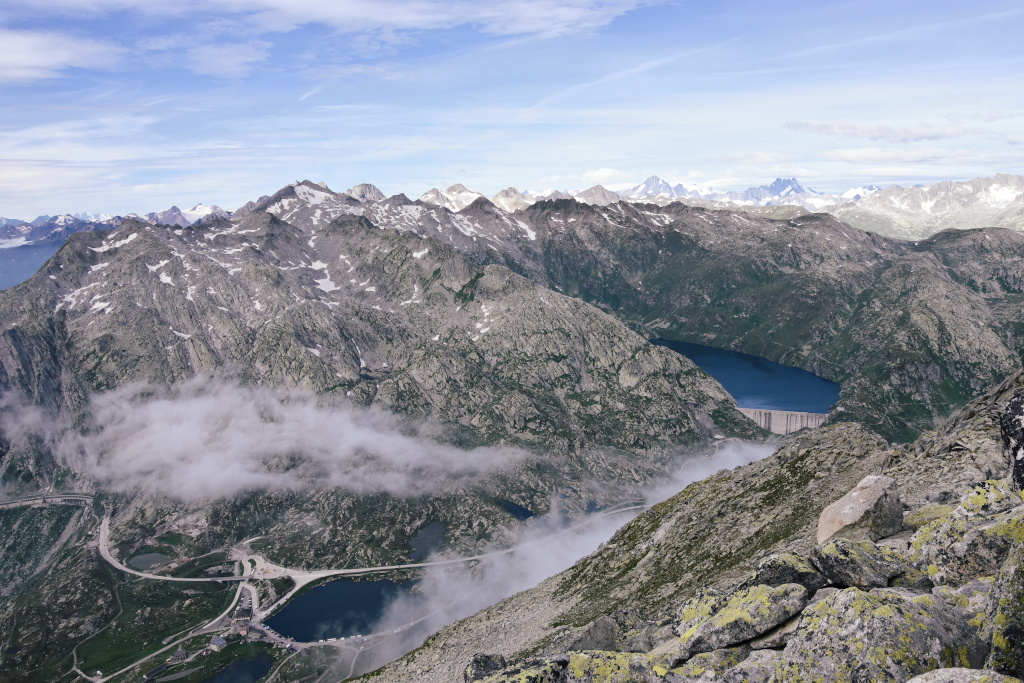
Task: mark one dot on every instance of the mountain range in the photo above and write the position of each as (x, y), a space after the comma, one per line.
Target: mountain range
(329, 373)
(906, 213)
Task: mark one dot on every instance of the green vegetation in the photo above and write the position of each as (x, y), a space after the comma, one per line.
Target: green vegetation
(152, 611)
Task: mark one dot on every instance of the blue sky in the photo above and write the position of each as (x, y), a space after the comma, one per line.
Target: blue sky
(134, 105)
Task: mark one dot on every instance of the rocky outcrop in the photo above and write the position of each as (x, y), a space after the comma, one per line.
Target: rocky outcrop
(1012, 427)
(961, 675)
(1006, 614)
(871, 510)
(861, 564)
(748, 614)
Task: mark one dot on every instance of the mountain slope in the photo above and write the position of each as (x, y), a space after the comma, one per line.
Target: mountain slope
(629, 595)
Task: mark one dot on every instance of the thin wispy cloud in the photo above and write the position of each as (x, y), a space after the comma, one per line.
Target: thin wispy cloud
(34, 55)
(880, 132)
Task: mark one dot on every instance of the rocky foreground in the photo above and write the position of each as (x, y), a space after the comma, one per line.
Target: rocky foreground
(837, 559)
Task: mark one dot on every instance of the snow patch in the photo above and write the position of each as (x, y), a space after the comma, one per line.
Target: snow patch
(115, 245)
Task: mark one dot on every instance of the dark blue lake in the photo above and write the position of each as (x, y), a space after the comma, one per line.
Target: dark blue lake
(758, 382)
(18, 264)
(337, 609)
(244, 670)
(429, 540)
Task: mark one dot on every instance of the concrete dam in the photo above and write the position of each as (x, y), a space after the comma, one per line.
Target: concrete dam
(784, 421)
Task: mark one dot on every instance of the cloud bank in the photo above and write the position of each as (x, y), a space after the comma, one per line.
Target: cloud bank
(209, 439)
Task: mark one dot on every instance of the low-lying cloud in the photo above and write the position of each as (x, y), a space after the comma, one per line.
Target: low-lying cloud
(207, 439)
(545, 547)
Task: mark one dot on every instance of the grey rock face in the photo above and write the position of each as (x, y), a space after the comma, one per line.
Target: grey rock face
(878, 635)
(600, 634)
(1007, 616)
(710, 665)
(776, 570)
(698, 609)
(961, 675)
(483, 665)
(872, 510)
(973, 539)
(861, 564)
(748, 614)
(1012, 426)
(777, 637)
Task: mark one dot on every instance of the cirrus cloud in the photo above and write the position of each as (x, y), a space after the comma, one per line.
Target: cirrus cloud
(880, 132)
(34, 55)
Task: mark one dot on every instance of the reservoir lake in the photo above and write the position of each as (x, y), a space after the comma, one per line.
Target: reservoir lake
(758, 382)
(244, 670)
(345, 607)
(337, 609)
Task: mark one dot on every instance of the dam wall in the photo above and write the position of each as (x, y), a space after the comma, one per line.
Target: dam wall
(784, 421)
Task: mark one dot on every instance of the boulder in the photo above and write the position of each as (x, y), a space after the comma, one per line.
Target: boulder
(776, 570)
(974, 600)
(859, 564)
(608, 667)
(748, 613)
(759, 667)
(1011, 424)
(872, 510)
(973, 540)
(958, 675)
(1007, 616)
(532, 670)
(778, 637)
(699, 609)
(878, 635)
(599, 634)
(710, 665)
(481, 666)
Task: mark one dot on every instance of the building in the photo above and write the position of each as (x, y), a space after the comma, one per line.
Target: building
(217, 643)
(178, 657)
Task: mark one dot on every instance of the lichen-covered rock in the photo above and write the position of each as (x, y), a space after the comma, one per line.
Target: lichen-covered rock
(708, 666)
(974, 599)
(593, 666)
(1007, 616)
(699, 609)
(608, 667)
(482, 665)
(878, 635)
(961, 675)
(860, 564)
(759, 667)
(872, 510)
(748, 613)
(973, 539)
(1011, 424)
(533, 670)
(782, 568)
(777, 637)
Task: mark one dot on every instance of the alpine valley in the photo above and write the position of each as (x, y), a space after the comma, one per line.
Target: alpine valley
(261, 400)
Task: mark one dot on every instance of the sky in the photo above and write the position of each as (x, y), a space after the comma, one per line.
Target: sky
(122, 106)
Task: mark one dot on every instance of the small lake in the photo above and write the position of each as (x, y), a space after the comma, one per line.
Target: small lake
(18, 264)
(244, 670)
(147, 561)
(337, 609)
(758, 382)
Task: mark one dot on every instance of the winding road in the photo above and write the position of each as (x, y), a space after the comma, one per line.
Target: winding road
(256, 567)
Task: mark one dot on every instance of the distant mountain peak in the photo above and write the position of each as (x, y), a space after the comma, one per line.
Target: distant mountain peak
(366, 192)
